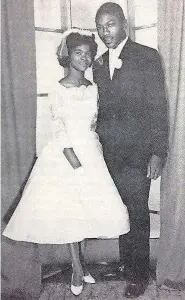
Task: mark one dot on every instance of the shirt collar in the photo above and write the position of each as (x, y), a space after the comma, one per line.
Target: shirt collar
(119, 48)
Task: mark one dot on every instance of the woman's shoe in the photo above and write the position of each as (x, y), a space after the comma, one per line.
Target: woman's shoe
(88, 279)
(76, 290)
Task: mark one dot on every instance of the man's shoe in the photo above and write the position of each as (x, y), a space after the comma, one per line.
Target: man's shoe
(134, 290)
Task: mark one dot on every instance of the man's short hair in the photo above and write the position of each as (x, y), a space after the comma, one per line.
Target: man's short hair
(110, 8)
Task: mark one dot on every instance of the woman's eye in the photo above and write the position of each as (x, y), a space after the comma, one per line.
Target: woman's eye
(110, 24)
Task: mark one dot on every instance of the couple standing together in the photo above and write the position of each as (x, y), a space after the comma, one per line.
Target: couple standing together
(109, 140)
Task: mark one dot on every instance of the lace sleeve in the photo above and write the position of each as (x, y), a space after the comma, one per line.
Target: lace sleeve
(57, 120)
(94, 121)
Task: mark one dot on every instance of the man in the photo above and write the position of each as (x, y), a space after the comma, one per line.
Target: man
(132, 126)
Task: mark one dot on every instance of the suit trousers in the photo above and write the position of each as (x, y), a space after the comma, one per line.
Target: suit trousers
(133, 185)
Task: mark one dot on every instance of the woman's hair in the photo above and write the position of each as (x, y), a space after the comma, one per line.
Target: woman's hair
(75, 39)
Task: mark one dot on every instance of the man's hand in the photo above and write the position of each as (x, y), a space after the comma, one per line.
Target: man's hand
(154, 169)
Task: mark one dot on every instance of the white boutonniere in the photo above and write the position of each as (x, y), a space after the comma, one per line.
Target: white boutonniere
(118, 63)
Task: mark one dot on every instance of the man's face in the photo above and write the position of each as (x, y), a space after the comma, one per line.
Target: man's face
(110, 29)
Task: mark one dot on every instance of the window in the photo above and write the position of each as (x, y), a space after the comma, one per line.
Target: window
(144, 16)
(50, 21)
(52, 17)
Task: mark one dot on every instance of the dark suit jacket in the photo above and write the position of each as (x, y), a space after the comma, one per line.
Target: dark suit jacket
(132, 117)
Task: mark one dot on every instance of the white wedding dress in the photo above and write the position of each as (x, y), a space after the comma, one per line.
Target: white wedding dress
(62, 205)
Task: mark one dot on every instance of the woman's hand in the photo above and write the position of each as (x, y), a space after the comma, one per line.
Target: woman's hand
(72, 158)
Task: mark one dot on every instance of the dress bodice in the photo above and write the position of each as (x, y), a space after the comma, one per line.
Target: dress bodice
(74, 113)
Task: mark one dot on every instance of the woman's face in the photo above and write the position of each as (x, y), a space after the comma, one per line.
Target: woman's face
(80, 58)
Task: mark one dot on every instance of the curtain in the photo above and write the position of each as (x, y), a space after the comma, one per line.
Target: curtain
(171, 259)
(19, 269)
(18, 97)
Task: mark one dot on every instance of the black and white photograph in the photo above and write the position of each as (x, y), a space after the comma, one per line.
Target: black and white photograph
(93, 150)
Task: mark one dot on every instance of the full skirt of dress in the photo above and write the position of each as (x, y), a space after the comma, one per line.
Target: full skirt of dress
(62, 205)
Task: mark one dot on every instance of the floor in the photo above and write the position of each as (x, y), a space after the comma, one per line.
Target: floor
(56, 285)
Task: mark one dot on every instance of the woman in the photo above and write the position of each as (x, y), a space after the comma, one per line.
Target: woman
(70, 195)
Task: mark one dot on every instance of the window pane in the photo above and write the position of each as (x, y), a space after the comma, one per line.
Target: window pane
(147, 37)
(48, 68)
(48, 13)
(83, 12)
(145, 12)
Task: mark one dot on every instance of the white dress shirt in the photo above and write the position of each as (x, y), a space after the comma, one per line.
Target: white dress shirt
(114, 55)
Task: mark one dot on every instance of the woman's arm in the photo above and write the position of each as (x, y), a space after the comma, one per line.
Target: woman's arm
(72, 158)
(60, 132)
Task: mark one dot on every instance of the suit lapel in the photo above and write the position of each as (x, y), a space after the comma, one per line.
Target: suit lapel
(126, 49)
(106, 65)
